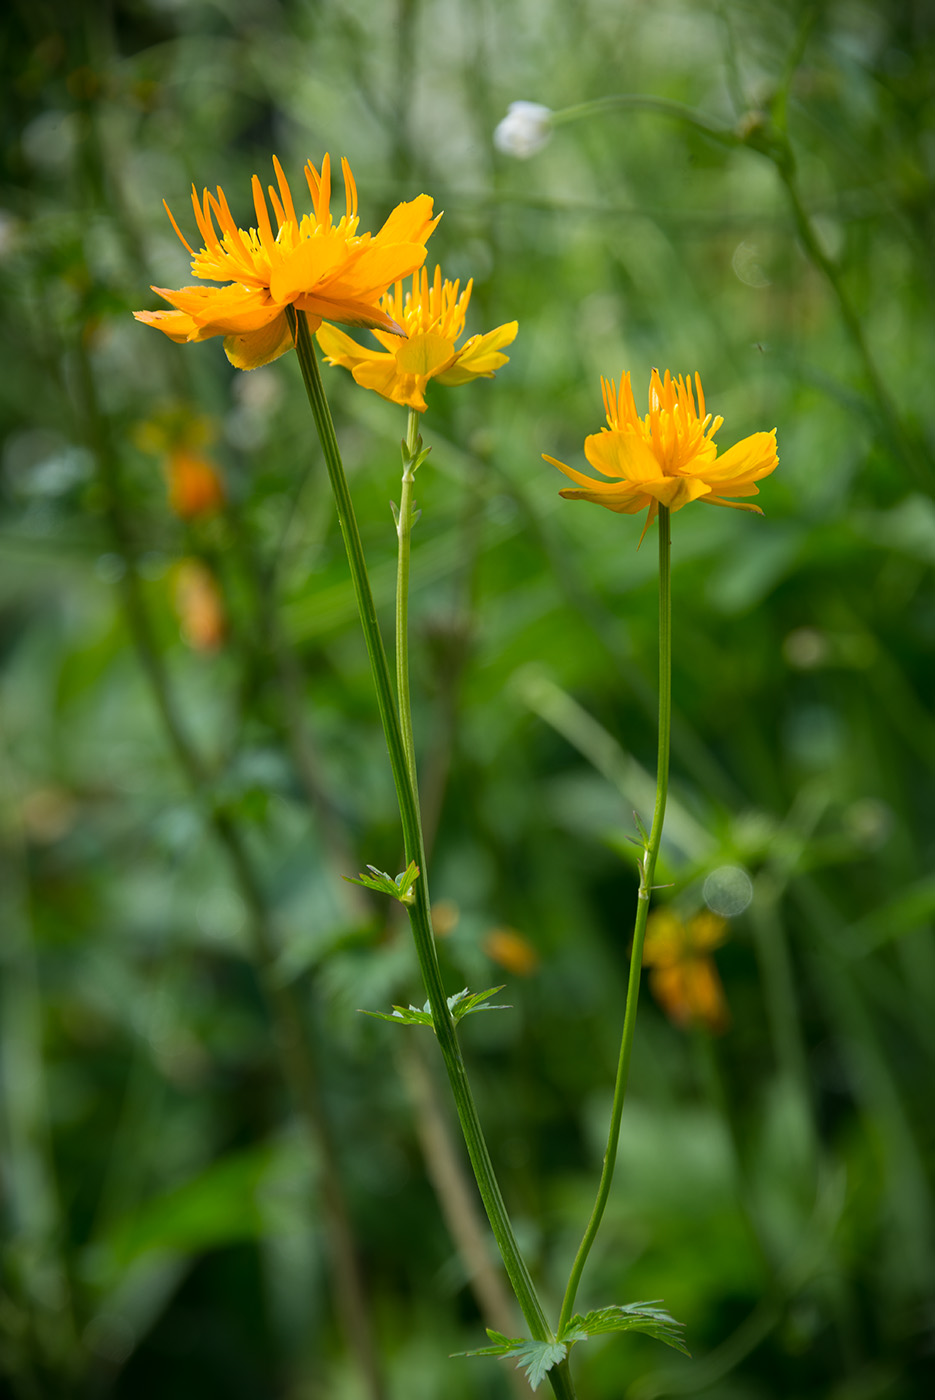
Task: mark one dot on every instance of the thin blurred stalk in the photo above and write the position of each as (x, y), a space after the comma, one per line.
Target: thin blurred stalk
(877, 1089)
(647, 874)
(767, 133)
(38, 1336)
(420, 911)
(291, 1042)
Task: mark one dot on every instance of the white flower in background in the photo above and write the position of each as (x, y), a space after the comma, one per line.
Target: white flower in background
(525, 129)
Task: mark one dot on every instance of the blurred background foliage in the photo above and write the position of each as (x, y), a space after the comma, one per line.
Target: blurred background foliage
(191, 757)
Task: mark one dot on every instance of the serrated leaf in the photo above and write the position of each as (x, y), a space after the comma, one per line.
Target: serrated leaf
(398, 887)
(402, 1016)
(465, 1003)
(627, 1317)
(535, 1358)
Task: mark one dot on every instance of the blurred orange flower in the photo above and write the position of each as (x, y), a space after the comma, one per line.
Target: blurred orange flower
(511, 950)
(195, 484)
(432, 317)
(174, 433)
(683, 978)
(326, 269)
(668, 457)
(199, 605)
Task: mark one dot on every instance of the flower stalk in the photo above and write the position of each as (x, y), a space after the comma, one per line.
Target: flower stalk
(404, 524)
(647, 875)
(403, 768)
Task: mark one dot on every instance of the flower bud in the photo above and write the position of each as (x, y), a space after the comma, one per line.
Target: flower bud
(525, 130)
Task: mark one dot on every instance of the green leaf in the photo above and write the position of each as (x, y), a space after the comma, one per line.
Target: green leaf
(463, 1003)
(641, 828)
(398, 887)
(627, 1317)
(412, 461)
(535, 1358)
(466, 1003)
(403, 1016)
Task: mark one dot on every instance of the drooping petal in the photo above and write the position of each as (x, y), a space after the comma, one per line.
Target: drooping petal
(339, 349)
(348, 312)
(385, 379)
(624, 500)
(676, 491)
(254, 349)
(736, 505)
(177, 325)
(223, 310)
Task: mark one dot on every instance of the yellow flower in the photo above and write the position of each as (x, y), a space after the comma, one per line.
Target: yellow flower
(669, 457)
(432, 318)
(684, 980)
(326, 269)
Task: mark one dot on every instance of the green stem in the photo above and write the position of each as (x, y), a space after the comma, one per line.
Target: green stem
(404, 525)
(419, 911)
(663, 106)
(647, 874)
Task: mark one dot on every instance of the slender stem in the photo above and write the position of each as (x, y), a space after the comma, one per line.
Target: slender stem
(784, 163)
(647, 874)
(770, 139)
(663, 106)
(404, 525)
(419, 911)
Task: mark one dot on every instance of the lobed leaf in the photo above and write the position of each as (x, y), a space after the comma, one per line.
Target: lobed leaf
(398, 887)
(463, 1003)
(627, 1317)
(535, 1358)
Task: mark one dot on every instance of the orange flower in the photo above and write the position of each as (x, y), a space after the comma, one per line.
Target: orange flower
(326, 269)
(511, 950)
(199, 606)
(432, 317)
(684, 980)
(669, 457)
(195, 485)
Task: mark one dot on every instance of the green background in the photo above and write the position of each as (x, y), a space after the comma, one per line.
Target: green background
(163, 1218)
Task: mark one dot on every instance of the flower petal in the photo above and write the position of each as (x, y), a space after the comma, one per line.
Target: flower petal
(480, 356)
(676, 491)
(621, 454)
(385, 379)
(231, 310)
(411, 222)
(307, 265)
(748, 460)
(340, 349)
(177, 325)
(424, 355)
(256, 348)
(624, 500)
